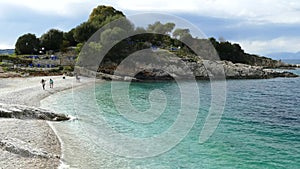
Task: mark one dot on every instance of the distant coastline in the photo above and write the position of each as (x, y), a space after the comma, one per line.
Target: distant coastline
(285, 55)
(7, 51)
(292, 61)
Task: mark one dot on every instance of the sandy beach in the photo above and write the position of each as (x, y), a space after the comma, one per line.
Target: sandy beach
(30, 143)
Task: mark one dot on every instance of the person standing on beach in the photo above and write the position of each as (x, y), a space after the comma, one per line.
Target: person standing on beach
(43, 83)
(77, 78)
(51, 83)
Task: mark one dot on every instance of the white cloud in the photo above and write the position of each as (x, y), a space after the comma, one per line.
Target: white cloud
(281, 44)
(6, 46)
(52, 7)
(274, 11)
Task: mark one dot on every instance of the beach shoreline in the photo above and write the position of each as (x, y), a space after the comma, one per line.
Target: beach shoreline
(31, 143)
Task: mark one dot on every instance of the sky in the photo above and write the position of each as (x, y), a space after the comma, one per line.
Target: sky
(259, 26)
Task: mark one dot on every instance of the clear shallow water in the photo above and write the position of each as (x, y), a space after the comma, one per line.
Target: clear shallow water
(260, 126)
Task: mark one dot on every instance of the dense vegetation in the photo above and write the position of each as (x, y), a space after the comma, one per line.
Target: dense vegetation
(55, 40)
(27, 44)
(164, 37)
(235, 54)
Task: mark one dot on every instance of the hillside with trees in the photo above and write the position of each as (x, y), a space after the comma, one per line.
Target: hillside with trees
(164, 37)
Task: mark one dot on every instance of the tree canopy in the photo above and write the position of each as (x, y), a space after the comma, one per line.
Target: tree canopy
(102, 12)
(27, 44)
(99, 17)
(52, 40)
(69, 37)
(84, 31)
(160, 28)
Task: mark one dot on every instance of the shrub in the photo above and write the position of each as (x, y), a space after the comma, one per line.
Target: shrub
(68, 69)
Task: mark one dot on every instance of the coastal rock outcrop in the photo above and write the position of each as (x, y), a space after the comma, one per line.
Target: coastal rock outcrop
(203, 69)
(24, 149)
(26, 112)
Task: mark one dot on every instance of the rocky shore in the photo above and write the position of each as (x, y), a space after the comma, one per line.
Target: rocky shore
(26, 112)
(201, 70)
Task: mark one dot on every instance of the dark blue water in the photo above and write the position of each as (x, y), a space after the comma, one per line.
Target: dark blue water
(260, 126)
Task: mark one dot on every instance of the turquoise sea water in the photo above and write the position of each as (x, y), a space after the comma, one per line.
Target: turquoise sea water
(260, 126)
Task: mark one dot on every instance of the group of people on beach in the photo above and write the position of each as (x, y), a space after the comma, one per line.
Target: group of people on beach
(43, 82)
(51, 82)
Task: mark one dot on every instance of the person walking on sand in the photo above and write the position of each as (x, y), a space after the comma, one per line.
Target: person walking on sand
(77, 78)
(43, 83)
(51, 83)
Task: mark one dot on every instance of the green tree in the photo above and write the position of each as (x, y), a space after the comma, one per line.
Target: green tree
(52, 40)
(140, 30)
(181, 33)
(100, 13)
(111, 36)
(79, 47)
(69, 36)
(168, 27)
(84, 31)
(65, 46)
(27, 44)
(101, 20)
(214, 42)
(160, 28)
(99, 17)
